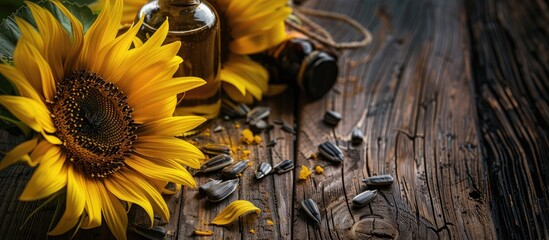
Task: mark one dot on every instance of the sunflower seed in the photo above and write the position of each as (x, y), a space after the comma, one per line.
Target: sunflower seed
(271, 143)
(379, 180)
(257, 114)
(258, 126)
(154, 233)
(215, 149)
(332, 118)
(310, 207)
(331, 152)
(204, 188)
(284, 166)
(234, 110)
(233, 170)
(356, 136)
(216, 163)
(263, 170)
(364, 198)
(222, 190)
(218, 128)
(288, 129)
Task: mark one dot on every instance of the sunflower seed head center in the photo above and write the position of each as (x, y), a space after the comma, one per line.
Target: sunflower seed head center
(94, 122)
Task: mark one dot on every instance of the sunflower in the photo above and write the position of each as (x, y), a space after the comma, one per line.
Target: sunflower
(103, 114)
(247, 27)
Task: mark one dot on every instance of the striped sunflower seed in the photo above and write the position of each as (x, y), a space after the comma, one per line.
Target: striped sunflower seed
(332, 118)
(284, 166)
(204, 187)
(311, 208)
(222, 190)
(331, 152)
(356, 136)
(216, 163)
(154, 233)
(263, 170)
(234, 169)
(257, 114)
(379, 180)
(364, 198)
(215, 149)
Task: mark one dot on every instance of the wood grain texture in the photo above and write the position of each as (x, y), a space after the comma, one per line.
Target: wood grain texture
(451, 98)
(410, 92)
(510, 46)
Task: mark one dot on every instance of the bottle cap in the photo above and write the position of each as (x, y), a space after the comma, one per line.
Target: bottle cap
(318, 74)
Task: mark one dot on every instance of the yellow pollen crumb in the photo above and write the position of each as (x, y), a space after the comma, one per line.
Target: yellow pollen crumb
(239, 175)
(236, 125)
(247, 136)
(313, 156)
(304, 173)
(319, 170)
(246, 154)
(203, 232)
(257, 139)
(270, 223)
(252, 231)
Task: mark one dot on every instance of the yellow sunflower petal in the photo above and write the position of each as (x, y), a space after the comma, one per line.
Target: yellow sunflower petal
(29, 33)
(150, 191)
(127, 190)
(24, 88)
(158, 110)
(30, 112)
(233, 79)
(236, 95)
(169, 148)
(93, 201)
(173, 126)
(233, 211)
(268, 20)
(76, 200)
(244, 80)
(55, 38)
(257, 43)
(77, 38)
(49, 177)
(173, 173)
(164, 90)
(114, 214)
(20, 152)
(34, 67)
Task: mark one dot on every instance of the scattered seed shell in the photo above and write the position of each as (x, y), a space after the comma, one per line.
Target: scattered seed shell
(234, 169)
(271, 143)
(258, 126)
(263, 170)
(284, 166)
(379, 180)
(257, 114)
(154, 233)
(222, 190)
(215, 149)
(330, 151)
(311, 208)
(332, 118)
(218, 128)
(216, 163)
(356, 136)
(364, 198)
(288, 129)
(204, 187)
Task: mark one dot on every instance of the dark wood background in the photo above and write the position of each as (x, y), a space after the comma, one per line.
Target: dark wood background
(452, 99)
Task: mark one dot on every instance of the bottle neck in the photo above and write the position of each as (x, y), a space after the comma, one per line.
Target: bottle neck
(166, 4)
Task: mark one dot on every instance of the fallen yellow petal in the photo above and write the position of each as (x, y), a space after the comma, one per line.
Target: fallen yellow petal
(304, 173)
(319, 170)
(233, 211)
(203, 233)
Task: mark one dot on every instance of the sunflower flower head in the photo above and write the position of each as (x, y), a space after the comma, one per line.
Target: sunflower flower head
(102, 106)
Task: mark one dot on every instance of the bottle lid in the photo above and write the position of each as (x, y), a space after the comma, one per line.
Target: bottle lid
(318, 74)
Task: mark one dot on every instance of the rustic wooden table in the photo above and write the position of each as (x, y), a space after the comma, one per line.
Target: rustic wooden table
(452, 99)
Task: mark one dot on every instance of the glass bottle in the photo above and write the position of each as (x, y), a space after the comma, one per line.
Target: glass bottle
(196, 24)
(298, 62)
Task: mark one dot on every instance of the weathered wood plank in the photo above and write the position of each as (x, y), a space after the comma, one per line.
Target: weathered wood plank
(410, 92)
(510, 56)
